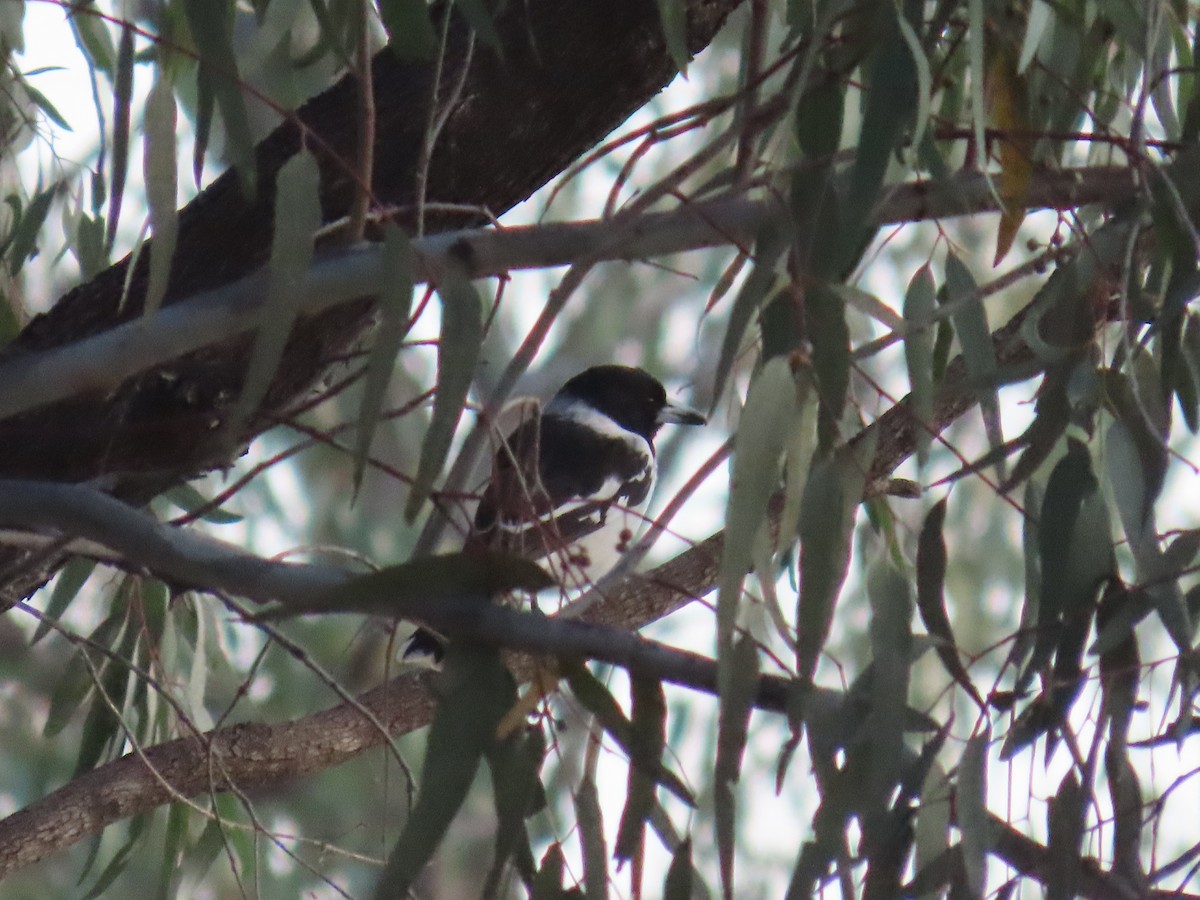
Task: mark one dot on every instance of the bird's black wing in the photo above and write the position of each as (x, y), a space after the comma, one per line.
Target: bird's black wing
(554, 483)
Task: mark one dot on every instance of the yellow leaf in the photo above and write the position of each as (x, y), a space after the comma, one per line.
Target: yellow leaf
(1007, 111)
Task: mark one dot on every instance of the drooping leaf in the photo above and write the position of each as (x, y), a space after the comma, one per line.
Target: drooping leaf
(185, 496)
(678, 883)
(458, 353)
(548, 883)
(890, 629)
(768, 248)
(1040, 18)
(410, 30)
(211, 24)
(891, 102)
(732, 728)
(599, 702)
(826, 526)
(933, 824)
(22, 244)
(975, 337)
(72, 577)
(1008, 107)
(589, 818)
(1067, 819)
(971, 806)
(467, 577)
(475, 691)
(514, 764)
(297, 217)
(919, 304)
(122, 109)
(673, 14)
(931, 600)
(647, 734)
(1064, 578)
(395, 306)
(830, 337)
(818, 118)
(480, 18)
(76, 681)
(161, 186)
(766, 421)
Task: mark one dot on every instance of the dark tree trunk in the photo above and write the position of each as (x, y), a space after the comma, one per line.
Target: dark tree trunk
(570, 73)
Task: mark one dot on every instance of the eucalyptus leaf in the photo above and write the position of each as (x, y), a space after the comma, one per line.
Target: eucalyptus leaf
(458, 353)
(476, 690)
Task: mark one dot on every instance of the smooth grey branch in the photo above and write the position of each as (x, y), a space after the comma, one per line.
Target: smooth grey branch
(101, 363)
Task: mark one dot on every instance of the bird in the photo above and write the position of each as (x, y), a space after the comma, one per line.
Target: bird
(569, 485)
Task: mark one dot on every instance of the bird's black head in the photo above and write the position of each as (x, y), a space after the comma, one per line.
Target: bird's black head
(633, 398)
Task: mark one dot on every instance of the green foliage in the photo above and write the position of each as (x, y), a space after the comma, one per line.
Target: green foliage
(901, 152)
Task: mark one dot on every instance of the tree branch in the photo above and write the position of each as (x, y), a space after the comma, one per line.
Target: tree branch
(103, 363)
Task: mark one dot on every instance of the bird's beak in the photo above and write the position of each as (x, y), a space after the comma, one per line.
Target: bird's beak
(680, 415)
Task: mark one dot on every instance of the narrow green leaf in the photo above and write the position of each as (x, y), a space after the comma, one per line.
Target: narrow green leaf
(92, 37)
(468, 577)
(206, 106)
(1067, 819)
(819, 113)
(515, 786)
(410, 30)
(480, 18)
(733, 723)
(70, 579)
(678, 883)
(395, 306)
(673, 14)
(186, 497)
(830, 337)
(590, 819)
(297, 217)
(173, 844)
(891, 648)
(1039, 20)
(768, 248)
(122, 112)
(890, 104)
(827, 514)
(548, 884)
(971, 807)
(42, 102)
(23, 243)
(211, 24)
(975, 337)
(924, 77)
(647, 735)
(1069, 483)
(1030, 544)
(162, 180)
(596, 698)
(1129, 479)
(117, 865)
(769, 415)
(931, 600)
(1128, 812)
(458, 353)
(975, 56)
(475, 691)
(76, 682)
(933, 824)
(101, 728)
(919, 301)
(89, 245)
